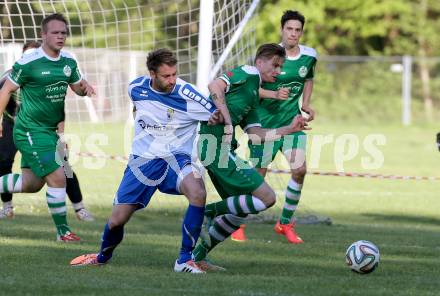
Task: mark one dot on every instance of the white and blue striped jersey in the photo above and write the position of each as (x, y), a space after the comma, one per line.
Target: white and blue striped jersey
(166, 123)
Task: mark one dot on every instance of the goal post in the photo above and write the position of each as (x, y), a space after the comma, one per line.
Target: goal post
(110, 40)
(204, 54)
(207, 69)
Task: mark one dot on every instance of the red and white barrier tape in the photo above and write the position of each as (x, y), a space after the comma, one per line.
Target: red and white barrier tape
(360, 175)
(112, 157)
(315, 173)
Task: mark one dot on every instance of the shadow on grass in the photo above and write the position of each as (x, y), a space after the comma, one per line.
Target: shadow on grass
(266, 265)
(404, 219)
(37, 226)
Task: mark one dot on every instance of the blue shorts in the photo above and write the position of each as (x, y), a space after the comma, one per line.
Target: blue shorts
(143, 176)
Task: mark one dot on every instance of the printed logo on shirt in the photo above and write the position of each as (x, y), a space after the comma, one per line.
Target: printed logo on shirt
(295, 88)
(144, 93)
(170, 114)
(302, 71)
(67, 71)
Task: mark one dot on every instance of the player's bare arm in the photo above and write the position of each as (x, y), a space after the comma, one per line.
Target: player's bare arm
(60, 132)
(83, 88)
(216, 118)
(307, 94)
(280, 94)
(258, 134)
(217, 88)
(60, 128)
(5, 94)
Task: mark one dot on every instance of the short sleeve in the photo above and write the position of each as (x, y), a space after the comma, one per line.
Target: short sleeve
(233, 77)
(252, 119)
(199, 107)
(76, 76)
(311, 73)
(18, 75)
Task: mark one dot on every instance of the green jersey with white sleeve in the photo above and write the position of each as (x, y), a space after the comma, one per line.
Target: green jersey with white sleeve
(43, 83)
(294, 73)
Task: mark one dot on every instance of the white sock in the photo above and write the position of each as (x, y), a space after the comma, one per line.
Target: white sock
(11, 183)
(78, 206)
(7, 204)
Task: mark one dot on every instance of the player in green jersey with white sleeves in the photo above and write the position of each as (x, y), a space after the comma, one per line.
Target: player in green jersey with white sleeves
(43, 77)
(242, 189)
(280, 102)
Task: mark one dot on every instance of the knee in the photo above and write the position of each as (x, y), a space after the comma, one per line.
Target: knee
(115, 222)
(197, 196)
(299, 173)
(29, 187)
(59, 181)
(270, 199)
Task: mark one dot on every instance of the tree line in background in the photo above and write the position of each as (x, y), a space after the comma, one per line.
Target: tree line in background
(333, 27)
(368, 28)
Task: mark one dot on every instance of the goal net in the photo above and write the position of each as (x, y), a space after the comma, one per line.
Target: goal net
(110, 40)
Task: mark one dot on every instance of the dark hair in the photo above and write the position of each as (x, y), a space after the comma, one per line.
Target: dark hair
(31, 44)
(292, 15)
(269, 50)
(52, 17)
(160, 56)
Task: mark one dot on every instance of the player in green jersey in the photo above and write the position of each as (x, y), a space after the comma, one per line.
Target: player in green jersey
(43, 77)
(280, 103)
(242, 189)
(9, 150)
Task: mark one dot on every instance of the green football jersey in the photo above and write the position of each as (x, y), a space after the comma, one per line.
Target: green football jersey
(242, 96)
(43, 83)
(294, 73)
(11, 107)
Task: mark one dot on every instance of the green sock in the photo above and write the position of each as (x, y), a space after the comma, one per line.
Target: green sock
(56, 201)
(221, 229)
(237, 205)
(293, 195)
(10, 183)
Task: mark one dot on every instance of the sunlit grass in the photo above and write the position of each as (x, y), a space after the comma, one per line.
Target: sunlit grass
(401, 217)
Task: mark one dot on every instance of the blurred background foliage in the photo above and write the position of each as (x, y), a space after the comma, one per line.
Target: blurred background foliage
(344, 90)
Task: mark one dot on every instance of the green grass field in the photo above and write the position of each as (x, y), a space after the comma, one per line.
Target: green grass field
(401, 217)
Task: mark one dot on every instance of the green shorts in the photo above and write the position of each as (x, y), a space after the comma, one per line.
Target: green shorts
(38, 151)
(263, 154)
(230, 174)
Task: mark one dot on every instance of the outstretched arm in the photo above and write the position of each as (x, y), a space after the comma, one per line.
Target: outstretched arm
(258, 134)
(280, 94)
(83, 88)
(217, 88)
(216, 118)
(5, 94)
(307, 94)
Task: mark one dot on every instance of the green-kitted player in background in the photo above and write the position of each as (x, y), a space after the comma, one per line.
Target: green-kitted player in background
(242, 189)
(43, 77)
(8, 152)
(280, 103)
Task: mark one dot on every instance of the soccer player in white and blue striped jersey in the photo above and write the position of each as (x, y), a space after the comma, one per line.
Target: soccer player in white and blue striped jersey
(167, 111)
